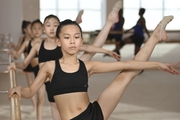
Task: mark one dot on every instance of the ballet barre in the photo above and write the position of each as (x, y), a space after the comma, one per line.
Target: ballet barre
(4, 63)
(15, 112)
(5, 50)
(3, 92)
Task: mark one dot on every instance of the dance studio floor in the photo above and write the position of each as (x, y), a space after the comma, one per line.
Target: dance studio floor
(153, 95)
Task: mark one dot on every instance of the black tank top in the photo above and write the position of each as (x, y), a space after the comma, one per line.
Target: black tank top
(63, 82)
(47, 55)
(29, 48)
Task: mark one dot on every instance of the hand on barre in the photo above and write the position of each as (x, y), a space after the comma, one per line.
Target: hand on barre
(15, 90)
(11, 66)
(13, 54)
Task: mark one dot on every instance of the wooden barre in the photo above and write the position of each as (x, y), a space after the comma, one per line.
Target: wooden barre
(15, 112)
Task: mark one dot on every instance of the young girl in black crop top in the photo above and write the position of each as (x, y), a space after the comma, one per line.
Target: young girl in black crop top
(72, 98)
(49, 45)
(37, 30)
(27, 36)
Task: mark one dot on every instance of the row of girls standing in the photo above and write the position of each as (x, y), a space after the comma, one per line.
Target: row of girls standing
(32, 35)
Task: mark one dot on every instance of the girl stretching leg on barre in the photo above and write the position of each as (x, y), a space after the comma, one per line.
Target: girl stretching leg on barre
(69, 75)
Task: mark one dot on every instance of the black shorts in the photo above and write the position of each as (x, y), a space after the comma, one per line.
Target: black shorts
(117, 37)
(93, 112)
(28, 68)
(48, 91)
(137, 39)
(36, 70)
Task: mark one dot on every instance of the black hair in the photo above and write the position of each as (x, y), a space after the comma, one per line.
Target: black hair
(120, 13)
(24, 25)
(142, 10)
(64, 23)
(36, 21)
(51, 16)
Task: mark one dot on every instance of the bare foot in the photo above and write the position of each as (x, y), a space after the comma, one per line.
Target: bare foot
(79, 17)
(113, 15)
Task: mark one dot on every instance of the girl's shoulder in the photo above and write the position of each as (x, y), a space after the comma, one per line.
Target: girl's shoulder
(89, 63)
(21, 39)
(49, 64)
(38, 44)
(142, 19)
(26, 43)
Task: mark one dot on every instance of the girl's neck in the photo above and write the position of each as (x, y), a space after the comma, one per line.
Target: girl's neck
(37, 39)
(69, 59)
(27, 36)
(50, 40)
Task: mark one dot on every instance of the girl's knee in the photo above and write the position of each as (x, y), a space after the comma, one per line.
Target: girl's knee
(41, 100)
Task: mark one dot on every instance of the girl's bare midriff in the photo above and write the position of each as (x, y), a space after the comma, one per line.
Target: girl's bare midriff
(72, 104)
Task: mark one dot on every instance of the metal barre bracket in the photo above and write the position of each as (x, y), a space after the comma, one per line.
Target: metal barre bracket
(3, 92)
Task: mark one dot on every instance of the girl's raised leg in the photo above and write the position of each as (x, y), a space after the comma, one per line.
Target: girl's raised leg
(111, 96)
(102, 36)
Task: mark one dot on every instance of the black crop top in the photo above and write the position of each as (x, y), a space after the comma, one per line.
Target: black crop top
(47, 55)
(29, 48)
(63, 82)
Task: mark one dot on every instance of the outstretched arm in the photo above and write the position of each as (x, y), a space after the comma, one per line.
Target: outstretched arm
(16, 54)
(101, 67)
(30, 91)
(93, 49)
(16, 47)
(27, 60)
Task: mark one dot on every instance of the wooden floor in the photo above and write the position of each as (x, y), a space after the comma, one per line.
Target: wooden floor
(153, 95)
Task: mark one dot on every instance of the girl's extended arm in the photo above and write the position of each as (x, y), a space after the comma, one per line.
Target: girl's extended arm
(16, 47)
(93, 49)
(27, 60)
(29, 92)
(20, 51)
(102, 67)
